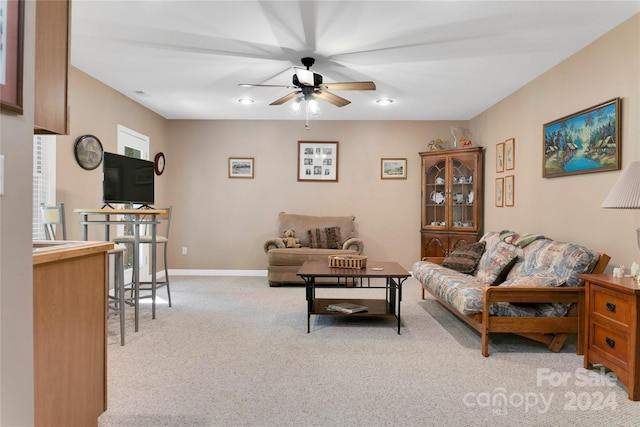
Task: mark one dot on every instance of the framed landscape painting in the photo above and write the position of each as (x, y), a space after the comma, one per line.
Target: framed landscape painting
(393, 168)
(241, 167)
(584, 142)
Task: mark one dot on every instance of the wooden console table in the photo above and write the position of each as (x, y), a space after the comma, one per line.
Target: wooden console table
(612, 321)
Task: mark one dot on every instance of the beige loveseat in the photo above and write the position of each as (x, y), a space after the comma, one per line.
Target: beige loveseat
(284, 263)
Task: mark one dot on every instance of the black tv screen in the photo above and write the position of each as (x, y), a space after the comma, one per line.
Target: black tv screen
(127, 180)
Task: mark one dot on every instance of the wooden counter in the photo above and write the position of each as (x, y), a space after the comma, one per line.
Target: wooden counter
(69, 333)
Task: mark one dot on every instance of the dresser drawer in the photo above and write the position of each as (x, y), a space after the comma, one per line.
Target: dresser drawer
(610, 305)
(610, 344)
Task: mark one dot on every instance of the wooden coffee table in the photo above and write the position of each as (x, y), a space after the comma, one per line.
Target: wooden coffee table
(393, 273)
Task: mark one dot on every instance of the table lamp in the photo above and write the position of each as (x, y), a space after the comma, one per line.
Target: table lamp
(625, 194)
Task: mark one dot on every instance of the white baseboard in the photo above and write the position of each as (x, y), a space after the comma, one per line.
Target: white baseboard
(180, 272)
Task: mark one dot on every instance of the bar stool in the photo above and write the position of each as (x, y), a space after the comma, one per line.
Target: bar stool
(115, 302)
(161, 239)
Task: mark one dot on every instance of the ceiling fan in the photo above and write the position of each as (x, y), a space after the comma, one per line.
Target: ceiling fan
(309, 86)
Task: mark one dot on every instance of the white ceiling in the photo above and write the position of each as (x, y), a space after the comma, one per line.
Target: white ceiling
(436, 59)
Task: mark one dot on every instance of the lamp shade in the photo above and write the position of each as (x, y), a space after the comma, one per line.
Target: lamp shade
(625, 194)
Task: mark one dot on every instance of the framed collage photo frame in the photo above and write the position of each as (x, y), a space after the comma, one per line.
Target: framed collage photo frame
(318, 161)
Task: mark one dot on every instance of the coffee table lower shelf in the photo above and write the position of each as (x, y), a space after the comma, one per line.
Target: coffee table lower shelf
(375, 307)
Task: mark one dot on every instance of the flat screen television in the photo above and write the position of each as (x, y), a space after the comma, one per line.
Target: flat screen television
(127, 180)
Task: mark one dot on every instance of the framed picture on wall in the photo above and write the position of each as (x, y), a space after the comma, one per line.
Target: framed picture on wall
(317, 161)
(583, 142)
(11, 52)
(500, 157)
(499, 192)
(241, 167)
(509, 190)
(509, 154)
(393, 168)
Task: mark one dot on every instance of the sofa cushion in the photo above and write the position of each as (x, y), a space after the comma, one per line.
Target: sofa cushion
(534, 281)
(302, 223)
(325, 238)
(465, 258)
(297, 256)
(553, 258)
(495, 263)
(462, 291)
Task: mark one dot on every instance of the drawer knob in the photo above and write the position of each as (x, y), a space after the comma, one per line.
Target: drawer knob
(610, 343)
(610, 307)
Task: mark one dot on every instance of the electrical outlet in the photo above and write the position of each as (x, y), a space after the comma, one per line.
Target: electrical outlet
(184, 250)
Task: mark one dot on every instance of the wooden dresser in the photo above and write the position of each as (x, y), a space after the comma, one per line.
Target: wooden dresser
(611, 321)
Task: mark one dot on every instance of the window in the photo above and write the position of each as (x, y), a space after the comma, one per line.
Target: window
(44, 179)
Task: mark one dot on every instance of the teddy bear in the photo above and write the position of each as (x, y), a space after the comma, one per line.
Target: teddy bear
(290, 240)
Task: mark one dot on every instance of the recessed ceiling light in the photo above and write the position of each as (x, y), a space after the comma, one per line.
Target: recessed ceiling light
(246, 101)
(384, 101)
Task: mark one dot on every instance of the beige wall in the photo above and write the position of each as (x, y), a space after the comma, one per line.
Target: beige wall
(223, 222)
(97, 109)
(16, 296)
(567, 208)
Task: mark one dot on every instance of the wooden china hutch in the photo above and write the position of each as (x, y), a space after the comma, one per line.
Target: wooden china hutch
(452, 196)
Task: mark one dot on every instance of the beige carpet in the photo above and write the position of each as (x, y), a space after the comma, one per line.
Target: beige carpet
(234, 352)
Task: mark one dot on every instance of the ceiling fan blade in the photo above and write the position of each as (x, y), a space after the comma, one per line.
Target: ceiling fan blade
(331, 98)
(259, 85)
(285, 98)
(304, 76)
(350, 86)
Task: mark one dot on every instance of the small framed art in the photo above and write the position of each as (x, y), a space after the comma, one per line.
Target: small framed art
(241, 167)
(500, 157)
(499, 192)
(393, 168)
(317, 161)
(510, 154)
(509, 190)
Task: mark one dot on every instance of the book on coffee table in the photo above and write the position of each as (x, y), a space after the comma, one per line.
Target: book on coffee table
(347, 307)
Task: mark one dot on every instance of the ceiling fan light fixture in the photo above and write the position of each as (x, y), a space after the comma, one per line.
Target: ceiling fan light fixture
(384, 101)
(295, 106)
(246, 101)
(314, 108)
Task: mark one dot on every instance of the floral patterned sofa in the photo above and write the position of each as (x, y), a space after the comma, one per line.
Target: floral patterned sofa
(524, 284)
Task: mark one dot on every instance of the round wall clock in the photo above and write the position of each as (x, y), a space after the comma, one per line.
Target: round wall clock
(159, 163)
(88, 152)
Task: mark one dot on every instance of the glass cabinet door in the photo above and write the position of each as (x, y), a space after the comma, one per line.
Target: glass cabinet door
(435, 188)
(462, 194)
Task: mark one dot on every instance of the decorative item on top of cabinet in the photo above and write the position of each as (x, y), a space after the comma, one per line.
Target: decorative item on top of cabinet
(452, 201)
(53, 29)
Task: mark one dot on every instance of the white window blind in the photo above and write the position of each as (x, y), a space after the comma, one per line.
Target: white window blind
(44, 179)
